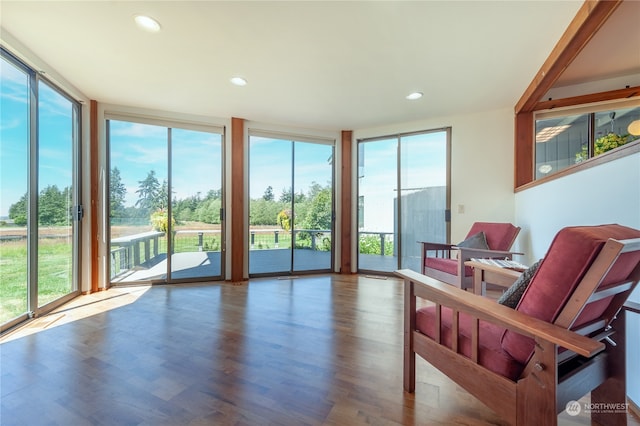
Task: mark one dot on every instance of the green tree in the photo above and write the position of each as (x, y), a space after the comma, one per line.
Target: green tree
(54, 206)
(319, 212)
(314, 189)
(160, 202)
(262, 212)
(148, 193)
(208, 211)
(18, 211)
(268, 194)
(286, 195)
(117, 193)
(214, 194)
(185, 209)
(133, 212)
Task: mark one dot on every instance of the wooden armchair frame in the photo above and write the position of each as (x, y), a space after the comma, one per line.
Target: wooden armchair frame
(543, 389)
(444, 250)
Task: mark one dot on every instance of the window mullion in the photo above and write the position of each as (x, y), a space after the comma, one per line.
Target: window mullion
(32, 204)
(591, 135)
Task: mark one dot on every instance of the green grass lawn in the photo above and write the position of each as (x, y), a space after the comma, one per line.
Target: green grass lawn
(54, 275)
(55, 264)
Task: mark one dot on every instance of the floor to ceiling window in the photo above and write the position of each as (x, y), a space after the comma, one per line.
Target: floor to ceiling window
(39, 209)
(291, 209)
(402, 198)
(165, 202)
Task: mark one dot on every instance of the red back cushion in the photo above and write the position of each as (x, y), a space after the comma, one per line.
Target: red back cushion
(500, 236)
(569, 257)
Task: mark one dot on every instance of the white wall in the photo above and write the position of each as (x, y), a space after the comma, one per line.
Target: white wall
(481, 166)
(608, 193)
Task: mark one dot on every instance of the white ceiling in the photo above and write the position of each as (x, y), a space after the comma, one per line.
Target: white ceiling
(327, 65)
(614, 51)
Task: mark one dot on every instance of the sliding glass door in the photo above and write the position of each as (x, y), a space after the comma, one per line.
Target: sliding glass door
(165, 202)
(138, 201)
(57, 133)
(39, 202)
(196, 182)
(291, 205)
(403, 197)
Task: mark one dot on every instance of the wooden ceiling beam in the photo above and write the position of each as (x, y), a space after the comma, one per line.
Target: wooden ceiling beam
(591, 16)
(628, 92)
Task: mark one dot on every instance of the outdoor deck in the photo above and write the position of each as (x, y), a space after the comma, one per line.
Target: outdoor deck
(206, 265)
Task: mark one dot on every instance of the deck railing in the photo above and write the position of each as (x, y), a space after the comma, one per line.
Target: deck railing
(383, 240)
(266, 239)
(131, 251)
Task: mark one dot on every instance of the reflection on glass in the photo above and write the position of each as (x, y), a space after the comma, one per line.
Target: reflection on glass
(559, 142)
(377, 192)
(270, 211)
(196, 182)
(423, 184)
(14, 154)
(138, 201)
(313, 206)
(55, 181)
(563, 141)
(401, 200)
(291, 205)
(612, 129)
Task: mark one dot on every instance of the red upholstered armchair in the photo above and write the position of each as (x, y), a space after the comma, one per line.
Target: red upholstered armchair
(437, 260)
(565, 338)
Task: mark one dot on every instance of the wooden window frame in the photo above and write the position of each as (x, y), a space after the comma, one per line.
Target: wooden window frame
(591, 16)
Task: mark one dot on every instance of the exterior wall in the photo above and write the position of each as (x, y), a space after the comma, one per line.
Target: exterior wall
(422, 213)
(608, 193)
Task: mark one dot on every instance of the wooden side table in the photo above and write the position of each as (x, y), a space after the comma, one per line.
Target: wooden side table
(483, 274)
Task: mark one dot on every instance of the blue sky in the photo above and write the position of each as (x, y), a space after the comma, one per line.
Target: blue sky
(196, 156)
(137, 149)
(270, 164)
(55, 117)
(196, 161)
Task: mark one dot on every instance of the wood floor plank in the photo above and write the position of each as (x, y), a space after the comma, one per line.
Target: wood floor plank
(314, 350)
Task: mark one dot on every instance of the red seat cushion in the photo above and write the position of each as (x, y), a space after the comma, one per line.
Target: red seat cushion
(450, 266)
(571, 253)
(490, 352)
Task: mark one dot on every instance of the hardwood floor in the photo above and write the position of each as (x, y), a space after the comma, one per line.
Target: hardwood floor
(306, 351)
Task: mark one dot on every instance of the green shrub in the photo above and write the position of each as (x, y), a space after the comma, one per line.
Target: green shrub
(370, 244)
(160, 220)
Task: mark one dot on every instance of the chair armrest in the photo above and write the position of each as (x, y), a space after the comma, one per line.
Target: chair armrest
(435, 246)
(442, 250)
(488, 310)
(468, 253)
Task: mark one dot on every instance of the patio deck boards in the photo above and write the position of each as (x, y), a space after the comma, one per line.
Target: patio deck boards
(206, 265)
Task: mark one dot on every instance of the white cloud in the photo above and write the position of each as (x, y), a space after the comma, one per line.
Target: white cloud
(11, 123)
(145, 155)
(137, 130)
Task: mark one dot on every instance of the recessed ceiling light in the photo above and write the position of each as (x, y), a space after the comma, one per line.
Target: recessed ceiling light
(147, 23)
(413, 96)
(239, 81)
